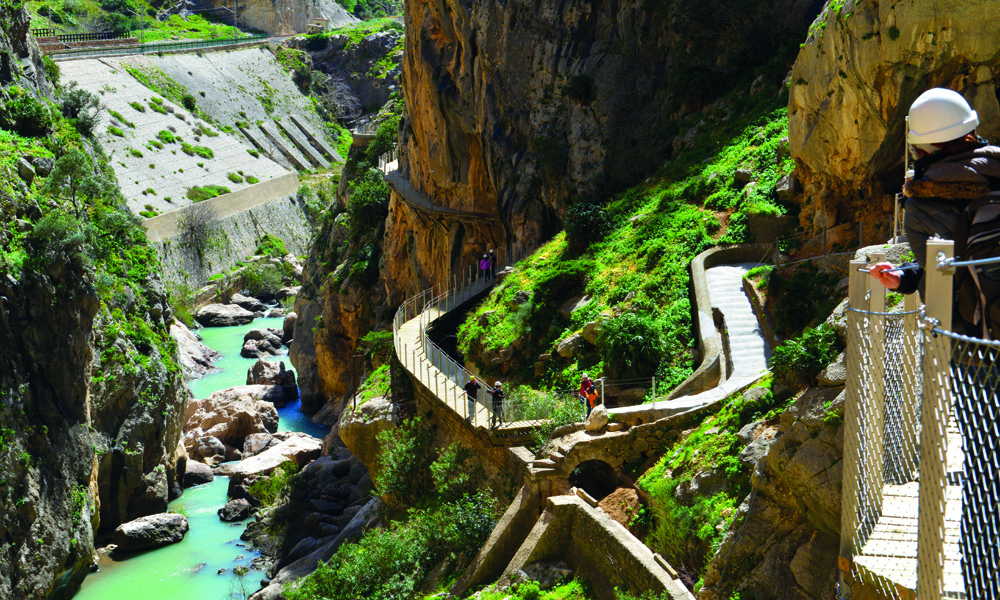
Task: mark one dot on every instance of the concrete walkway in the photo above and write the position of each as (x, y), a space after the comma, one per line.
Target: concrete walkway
(748, 352)
(422, 201)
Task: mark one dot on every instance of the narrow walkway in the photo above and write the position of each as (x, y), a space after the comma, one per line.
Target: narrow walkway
(422, 201)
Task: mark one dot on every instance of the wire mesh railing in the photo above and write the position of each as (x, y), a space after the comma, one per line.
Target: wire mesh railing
(921, 446)
(784, 246)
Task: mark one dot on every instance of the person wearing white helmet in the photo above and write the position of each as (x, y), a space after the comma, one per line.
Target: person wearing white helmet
(953, 168)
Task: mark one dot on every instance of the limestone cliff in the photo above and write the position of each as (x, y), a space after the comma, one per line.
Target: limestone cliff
(854, 80)
(91, 399)
(516, 109)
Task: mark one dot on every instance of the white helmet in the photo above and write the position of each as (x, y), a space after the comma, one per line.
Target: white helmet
(940, 115)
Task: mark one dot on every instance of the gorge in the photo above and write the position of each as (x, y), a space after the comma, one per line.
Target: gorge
(614, 156)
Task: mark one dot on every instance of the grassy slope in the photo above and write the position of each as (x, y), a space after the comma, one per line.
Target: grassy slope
(74, 15)
(642, 264)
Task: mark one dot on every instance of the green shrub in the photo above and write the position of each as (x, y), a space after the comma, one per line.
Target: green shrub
(271, 245)
(269, 489)
(234, 178)
(31, 117)
(385, 139)
(262, 281)
(632, 347)
(254, 153)
(52, 70)
(166, 137)
(135, 153)
(189, 102)
(405, 459)
(116, 131)
(802, 359)
(137, 106)
(581, 89)
(252, 180)
(201, 151)
(158, 106)
(369, 201)
(200, 193)
(586, 222)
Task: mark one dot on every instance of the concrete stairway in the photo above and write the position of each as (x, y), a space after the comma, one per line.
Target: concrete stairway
(748, 352)
(304, 146)
(284, 147)
(317, 140)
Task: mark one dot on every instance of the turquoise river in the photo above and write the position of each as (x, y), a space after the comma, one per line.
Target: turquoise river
(189, 570)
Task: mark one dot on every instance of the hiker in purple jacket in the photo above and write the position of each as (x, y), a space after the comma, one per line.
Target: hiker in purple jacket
(484, 267)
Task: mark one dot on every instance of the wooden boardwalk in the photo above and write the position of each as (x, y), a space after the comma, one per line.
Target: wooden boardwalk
(889, 557)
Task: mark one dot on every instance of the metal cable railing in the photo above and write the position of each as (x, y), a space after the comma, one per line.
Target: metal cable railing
(921, 478)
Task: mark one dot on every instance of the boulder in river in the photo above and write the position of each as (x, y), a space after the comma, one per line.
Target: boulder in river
(223, 315)
(235, 510)
(251, 304)
(299, 448)
(274, 373)
(150, 532)
(232, 414)
(197, 473)
(261, 342)
(288, 327)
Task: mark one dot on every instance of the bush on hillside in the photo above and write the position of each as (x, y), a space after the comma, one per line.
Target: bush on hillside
(28, 115)
(81, 106)
(262, 281)
(632, 347)
(271, 245)
(385, 139)
(801, 360)
(587, 222)
(369, 201)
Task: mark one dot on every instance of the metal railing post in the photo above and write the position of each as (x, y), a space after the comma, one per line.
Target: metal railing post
(934, 413)
(853, 430)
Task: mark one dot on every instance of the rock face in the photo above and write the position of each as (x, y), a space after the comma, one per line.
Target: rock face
(354, 64)
(262, 15)
(151, 532)
(793, 528)
(223, 315)
(359, 430)
(231, 415)
(852, 86)
(196, 358)
(90, 439)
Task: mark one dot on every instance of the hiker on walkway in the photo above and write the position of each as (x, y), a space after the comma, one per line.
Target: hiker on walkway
(954, 171)
(493, 264)
(585, 384)
(484, 267)
(591, 398)
(497, 395)
(471, 388)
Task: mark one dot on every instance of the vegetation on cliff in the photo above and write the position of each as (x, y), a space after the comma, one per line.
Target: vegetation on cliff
(91, 389)
(630, 256)
(124, 16)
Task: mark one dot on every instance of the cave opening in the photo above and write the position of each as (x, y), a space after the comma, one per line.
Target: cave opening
(595, 477)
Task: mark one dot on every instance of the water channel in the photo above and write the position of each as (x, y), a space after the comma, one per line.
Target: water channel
(190, 569)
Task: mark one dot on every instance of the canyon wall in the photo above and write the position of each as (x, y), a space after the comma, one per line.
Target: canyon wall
(91, 398)
(852, 85)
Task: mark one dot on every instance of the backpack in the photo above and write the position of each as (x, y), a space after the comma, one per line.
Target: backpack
(977, 287)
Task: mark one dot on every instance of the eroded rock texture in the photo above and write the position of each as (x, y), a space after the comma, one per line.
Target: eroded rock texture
(854, 81)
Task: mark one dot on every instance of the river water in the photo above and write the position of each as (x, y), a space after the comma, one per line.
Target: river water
(188, 570)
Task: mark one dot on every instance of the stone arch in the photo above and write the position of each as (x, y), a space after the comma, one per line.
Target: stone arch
(596, 477)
